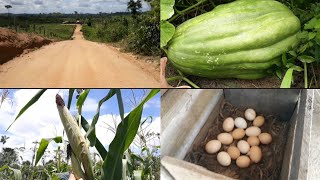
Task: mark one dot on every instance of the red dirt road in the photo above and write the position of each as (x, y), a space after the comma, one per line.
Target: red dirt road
(76, 63)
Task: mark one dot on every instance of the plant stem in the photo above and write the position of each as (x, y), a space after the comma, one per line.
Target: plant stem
(314, 76)
(305, 75)
(186, 10)
(190, 82)
(174, 78)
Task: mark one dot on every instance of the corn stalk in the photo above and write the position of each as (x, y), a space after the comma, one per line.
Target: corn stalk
(80, 149)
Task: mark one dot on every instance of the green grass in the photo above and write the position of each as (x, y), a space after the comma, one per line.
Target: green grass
(52, 31)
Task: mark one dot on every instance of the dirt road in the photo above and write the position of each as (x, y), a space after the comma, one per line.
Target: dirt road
(75, 63)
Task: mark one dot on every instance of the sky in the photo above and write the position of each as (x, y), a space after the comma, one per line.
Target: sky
(42, 120)
(67, 6)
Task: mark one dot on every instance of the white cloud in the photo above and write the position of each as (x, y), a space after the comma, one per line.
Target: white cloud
(68, 6)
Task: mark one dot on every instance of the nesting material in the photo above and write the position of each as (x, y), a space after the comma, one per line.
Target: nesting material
(263, 159)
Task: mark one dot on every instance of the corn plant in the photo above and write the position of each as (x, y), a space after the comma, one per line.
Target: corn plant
(112, 167)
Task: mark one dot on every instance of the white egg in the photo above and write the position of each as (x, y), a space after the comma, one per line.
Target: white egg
(250, 114)
(243, 146)
(228, 124)
(239, 122)
(225, 138)
(213, 146)
(224, 159)
(253, 131)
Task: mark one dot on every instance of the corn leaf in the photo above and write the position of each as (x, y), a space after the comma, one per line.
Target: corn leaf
(71, 91)
(126, 131)
(120, 103)
(91, 132)
(16, 172)
(100, 148)
(30, 103)
(43, 146)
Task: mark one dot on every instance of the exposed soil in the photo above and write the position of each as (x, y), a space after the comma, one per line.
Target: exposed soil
(13, 44)
(77, 63)
(268, 168)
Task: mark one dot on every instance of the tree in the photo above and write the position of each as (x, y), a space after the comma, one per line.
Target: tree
(4, 139)
(134, 7)
(8, 7)
(8, 156)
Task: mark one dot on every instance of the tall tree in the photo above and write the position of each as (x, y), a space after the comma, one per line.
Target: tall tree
(4, 139)
(134, 6)
(8, 7)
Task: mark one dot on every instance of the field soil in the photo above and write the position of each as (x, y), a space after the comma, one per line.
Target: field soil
(77, 63)
(13, 44)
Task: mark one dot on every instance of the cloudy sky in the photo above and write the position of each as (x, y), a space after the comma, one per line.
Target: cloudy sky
(67, 6)
(42, 119)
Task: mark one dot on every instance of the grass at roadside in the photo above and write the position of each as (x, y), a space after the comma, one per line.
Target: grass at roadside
(52, 31)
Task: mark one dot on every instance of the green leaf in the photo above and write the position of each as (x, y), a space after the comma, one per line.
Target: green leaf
(30, 103)
(166, 10)
(303, 48)
(294, 67)
(71, 91)
(120, 103)
(166, 32)
(16, 172)
(317, 24)
(43, 146)
(293, 53)
(284, 59)
(279, 73)
(91, 133)
(126, 131)
(287, 79)
(303, 35)
(306, 59)
(100, 148)
(310, 24)
(82, 98)
(312, 35)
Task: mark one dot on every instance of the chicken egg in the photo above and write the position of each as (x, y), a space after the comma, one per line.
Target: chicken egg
(228, 124)
(253, 131)
(265, 138)
(213, 146)
(258, 121)
(255, 154)
(224, 158)
(225, 138)
(238, 133)
(233, 152)
(243, 161)
(253, 141)
(239, 122)
(250, 114)
(243, 146)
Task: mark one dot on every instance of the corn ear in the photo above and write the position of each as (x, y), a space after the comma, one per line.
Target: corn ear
(76, 139)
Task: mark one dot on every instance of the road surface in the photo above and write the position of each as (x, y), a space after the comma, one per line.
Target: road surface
(75, 63)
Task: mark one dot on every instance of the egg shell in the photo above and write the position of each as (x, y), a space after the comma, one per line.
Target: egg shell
(243, 161)
(228, 124)
(265, 138)
(243, 146)
(225, 138)
(224, 158)
(258, 121)
(238, 133)
(250, 114)
(233, 152)
(213, 146)
(253, 131)
(253, 141)
(239, 122)
(255, 154)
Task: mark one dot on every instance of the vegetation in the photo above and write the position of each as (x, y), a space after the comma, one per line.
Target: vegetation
(138, 32)
(119, 162)
(298, 68)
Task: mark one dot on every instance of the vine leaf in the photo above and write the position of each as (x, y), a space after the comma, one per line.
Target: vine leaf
(166, 9)
(166, 32)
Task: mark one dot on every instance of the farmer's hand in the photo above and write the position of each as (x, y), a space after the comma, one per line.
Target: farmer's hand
(163, 81)
(73, 177)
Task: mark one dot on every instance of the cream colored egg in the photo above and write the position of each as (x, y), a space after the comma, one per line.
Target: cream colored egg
(239, 122)
(243, 161)
(233, 152)
(238, 133)
(258, 121)
(253, 131)
(265, 138)
(250, 114)
(243, 146)
(253, 141)
(225, 138)
(224, 158)
(255, 154)
(228, 124)
(213, 146)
